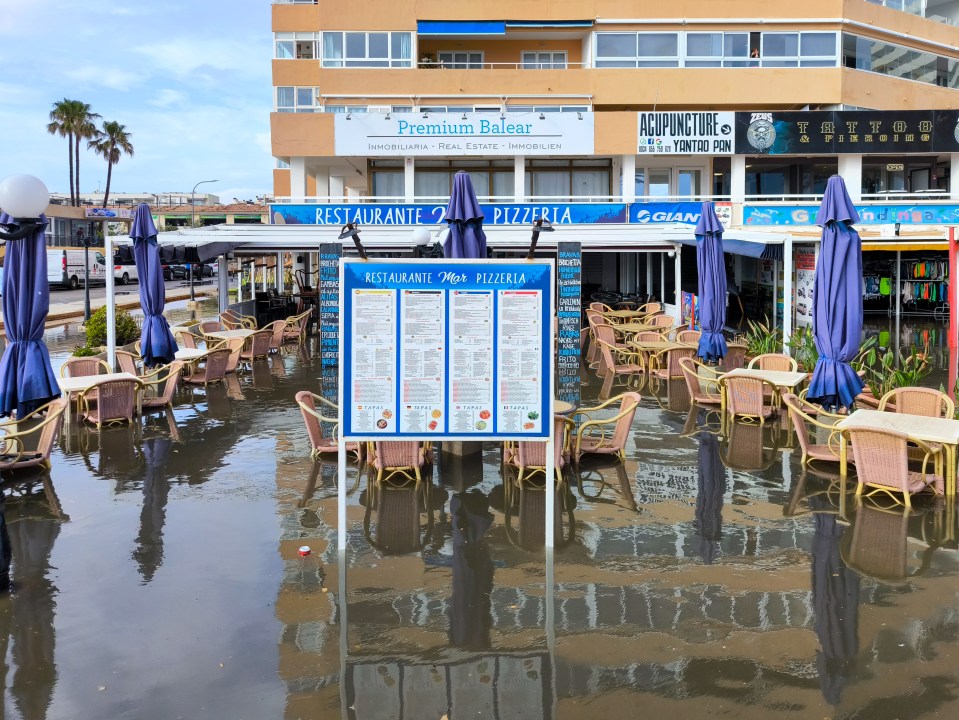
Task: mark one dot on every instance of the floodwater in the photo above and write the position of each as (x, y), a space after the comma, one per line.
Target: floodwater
(156, 575)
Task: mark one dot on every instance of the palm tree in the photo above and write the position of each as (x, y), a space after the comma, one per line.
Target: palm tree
(111, 143)
(73, 120)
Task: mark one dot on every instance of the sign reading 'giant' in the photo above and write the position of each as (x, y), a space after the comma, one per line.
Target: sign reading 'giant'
(469, 134)
(686, 133)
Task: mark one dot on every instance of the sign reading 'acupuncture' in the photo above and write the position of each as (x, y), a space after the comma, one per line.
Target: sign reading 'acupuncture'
(472, 133)
(446, 350)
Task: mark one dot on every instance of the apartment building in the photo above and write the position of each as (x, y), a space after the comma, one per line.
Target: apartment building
(598, 112)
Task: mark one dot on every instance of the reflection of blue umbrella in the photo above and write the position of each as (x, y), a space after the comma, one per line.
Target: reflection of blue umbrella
(466, 239)
(709, 498)
(712, 284)
(835, 591)
(26, 379)
(156, 490)
(470, 619)
(157, 345)
(837, 299)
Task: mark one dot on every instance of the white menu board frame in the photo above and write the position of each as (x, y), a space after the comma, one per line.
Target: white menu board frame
(447, 349)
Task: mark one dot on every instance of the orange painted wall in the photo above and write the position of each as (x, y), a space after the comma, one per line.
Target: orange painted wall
(302, 135)
(281, 182)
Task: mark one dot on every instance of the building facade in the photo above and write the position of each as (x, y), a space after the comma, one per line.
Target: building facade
(596, 112)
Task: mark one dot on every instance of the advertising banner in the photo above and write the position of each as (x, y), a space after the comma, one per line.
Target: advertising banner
(100, 213)
(424, 214)
(686, 133)
(463, 134)
(805, 259)
(854, 131)
(446, 349)
(873, 214)
(665, 212)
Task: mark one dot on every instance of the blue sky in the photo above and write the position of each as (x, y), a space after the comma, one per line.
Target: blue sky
(190, 80)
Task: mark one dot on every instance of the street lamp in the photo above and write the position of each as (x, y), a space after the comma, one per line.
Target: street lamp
(193, 199)
(23, 198)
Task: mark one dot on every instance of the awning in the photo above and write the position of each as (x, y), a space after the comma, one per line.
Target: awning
(549, 23)
(762, 250)
(460, 27)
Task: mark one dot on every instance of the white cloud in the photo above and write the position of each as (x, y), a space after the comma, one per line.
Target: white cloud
(104, 76)
(167, 97)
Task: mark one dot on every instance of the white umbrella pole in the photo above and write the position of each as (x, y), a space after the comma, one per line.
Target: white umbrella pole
(111, 300)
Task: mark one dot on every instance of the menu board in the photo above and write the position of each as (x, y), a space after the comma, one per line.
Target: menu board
(448, 349)
(570, 313)
(329, 316)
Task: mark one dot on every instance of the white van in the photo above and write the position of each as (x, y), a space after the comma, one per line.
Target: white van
(65, 267)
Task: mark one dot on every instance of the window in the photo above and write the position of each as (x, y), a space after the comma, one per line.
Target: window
(780, 50)
(296, 99)
(559, 180)
(282, 164)
(637, 50)
(367, 49)
(544, 61)
(717, 49)
(460, 60)
(897, 61)
(295, 46)
(817, 49)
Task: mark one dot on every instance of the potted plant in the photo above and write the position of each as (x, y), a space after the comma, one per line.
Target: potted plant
(127, 331)
(802, 347)
(882, 373)
(760, 338)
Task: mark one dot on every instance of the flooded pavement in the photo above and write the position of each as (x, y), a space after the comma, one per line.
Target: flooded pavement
(156, 575)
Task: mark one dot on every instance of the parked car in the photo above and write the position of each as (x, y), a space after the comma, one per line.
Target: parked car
(182, 272)
(65, 267)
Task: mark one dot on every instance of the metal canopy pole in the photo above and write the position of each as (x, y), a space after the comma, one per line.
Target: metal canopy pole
(111, 299)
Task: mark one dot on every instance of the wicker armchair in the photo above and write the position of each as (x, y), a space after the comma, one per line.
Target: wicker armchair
(663, 322)
(296, 327)
(256, 346)
(701, 381)
(665, 363)
(398, 457)
(605, 436)
(111, 401)
(214, 364)
(159, 386)
(28, 441)
(127, 362)
(882, 464)
(276, 329)
(208, 326)
(616, 359)
(84, 366)
(650, 308)
(803, 414)
(321, 442)
(748, 397)
(774, 361)
(530, 456)
(735, 358)
(918, 401)
(688, 336)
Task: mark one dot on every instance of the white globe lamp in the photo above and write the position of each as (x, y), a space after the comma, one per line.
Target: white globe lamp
(23, 196)
(421, 236)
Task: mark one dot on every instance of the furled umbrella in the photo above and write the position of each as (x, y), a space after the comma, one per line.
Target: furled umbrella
(157, 345)
(470, 619)
(837, 300)
(465, 218)
(27, 380)
(835, 595)
(712, 284)
(709, 497)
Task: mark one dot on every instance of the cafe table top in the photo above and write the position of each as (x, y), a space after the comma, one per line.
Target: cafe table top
(189, 353)
(79, 383)
(919, 427)
(230, 334)
(779, 378)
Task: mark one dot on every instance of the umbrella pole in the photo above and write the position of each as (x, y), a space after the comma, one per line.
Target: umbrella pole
(111, 299)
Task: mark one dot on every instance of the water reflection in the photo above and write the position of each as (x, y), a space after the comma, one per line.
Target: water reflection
(472, 571)
(709, 497)
(27, 612)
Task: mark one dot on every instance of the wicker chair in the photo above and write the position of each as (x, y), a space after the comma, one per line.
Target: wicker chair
(651, 308)
(159, 386)
(110, 402)
(747, 397)
(276, 328)
(803, 414)
(208, 326)
(735, 358)
(403, 457)
(882, 464)
(701, 381)
(600, 307)
(774, 361)
(214, 367)
(235, 346)
(296, 327)
(128, 362)
(256, 346)
(28, 441)
(191, 340)
(918, 401)
(605, 436)
(594, 319)
(321, 443)
(665, 364)
(688, 336)
(230, 321)
(530, 456)
(84, 366)
(615, 359)
(663, 322)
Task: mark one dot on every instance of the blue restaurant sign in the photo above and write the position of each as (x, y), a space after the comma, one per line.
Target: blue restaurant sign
(370, 214)
(657, 213)
(878, 214)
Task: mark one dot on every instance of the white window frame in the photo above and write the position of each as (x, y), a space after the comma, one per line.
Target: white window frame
(470, 62)
(555, 63)
(293, 38)
(642, 61)
(363, 62)
(296, 107)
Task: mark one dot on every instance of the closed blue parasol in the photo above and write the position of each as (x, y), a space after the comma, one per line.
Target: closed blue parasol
(466, 239)
(710, 495)
(26, 377)
(157, 345)
(712, 284)
(837, 300)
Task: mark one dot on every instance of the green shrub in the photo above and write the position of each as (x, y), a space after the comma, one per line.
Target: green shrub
(96, 328)
(884, 373)
(84, 351)
(761, 338)
(803, 348)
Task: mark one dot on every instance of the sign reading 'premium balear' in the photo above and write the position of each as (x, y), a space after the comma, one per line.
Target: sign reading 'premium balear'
(470, 134)
(686, 133)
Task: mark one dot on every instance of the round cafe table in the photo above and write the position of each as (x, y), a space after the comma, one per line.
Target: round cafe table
(561, 407)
